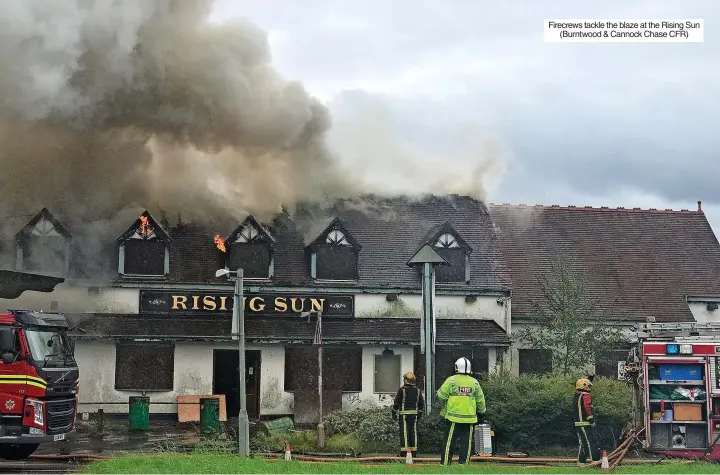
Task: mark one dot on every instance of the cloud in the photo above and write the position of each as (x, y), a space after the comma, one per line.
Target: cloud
(606, 123)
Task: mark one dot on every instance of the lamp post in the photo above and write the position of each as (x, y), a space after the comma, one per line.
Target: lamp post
(428, 258)
(238, 331)
(317, 342)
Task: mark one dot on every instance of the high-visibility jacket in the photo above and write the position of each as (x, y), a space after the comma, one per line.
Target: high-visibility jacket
(464, 399)
(582, 408)
(408, 401)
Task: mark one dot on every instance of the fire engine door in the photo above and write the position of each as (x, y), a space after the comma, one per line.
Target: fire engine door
(13, 371)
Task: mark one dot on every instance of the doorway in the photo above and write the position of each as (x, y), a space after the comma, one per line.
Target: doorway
(226, 380)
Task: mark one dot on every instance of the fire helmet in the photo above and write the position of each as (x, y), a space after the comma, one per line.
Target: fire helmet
(409, 378)
(462, 366)
(583, 384)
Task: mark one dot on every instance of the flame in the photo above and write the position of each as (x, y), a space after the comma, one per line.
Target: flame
(219, 243)
(145, 228)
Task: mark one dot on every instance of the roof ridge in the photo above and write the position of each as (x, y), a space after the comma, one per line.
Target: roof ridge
(602, 208)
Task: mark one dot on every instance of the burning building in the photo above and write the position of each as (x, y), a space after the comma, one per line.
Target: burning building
(163, 325)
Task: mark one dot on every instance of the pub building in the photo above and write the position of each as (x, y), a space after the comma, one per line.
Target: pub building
(162, 327)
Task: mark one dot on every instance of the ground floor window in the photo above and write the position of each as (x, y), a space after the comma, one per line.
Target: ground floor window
(144, 366)
(535, 361)
(607, 363)
(387, 374)
(342, 368)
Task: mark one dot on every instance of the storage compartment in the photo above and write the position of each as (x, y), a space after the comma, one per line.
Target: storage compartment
(659, 436)
(687, 412)
(696, 436)
(681, 372)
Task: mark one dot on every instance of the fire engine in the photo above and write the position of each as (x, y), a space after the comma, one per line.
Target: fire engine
(675, 372)
(39, 381)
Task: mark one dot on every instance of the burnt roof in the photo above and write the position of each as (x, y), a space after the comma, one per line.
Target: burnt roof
(284, 329)
(639, 263)
(388, 232)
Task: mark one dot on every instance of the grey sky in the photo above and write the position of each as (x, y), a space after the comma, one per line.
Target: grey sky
(585, 124)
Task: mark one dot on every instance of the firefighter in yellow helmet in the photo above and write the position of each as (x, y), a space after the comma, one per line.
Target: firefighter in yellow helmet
(409, 404)
(584, 422)
(463, 407)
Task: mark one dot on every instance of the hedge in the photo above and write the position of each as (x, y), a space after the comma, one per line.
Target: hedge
(528, 413)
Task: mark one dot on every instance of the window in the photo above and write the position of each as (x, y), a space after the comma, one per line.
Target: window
(445, 358)
(607, 363)
(43, 245)
(144, 367)
(342, 368)
(535, 361)
(388, 377)
(143, 249)
(9, 341)
(251, 250)
(455, 251)
(334, 254)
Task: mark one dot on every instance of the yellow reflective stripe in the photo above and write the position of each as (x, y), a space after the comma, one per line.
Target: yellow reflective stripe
(39, 380)
(21, 379)
(415, 436)
(582, 424)
(405, 434)
(37, 385)
(448, 443)
(579, 407)
(409, 412)
(461, 416)
(470, 444)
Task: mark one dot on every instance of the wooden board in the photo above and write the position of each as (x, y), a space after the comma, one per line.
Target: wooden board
(191, 412)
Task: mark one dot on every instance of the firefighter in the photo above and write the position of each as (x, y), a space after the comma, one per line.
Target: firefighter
(409, 403)
(584, 423)
(463, 406)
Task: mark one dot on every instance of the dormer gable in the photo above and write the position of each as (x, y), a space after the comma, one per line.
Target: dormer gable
(334, 254)
(143, 249)
(454, 249)
(251, 247)
(43, 246)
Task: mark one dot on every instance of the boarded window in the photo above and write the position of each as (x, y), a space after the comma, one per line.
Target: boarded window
(342, 368)
(535, 361)
(144, 257)
(336, 263)
(144, 367)
(387, 374)
(252, 258)
(445, 359)
(455, 272)
(45, 254)
(607, 364)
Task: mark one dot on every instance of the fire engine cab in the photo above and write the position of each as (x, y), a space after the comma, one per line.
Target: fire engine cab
(677, 375)
(38, 382)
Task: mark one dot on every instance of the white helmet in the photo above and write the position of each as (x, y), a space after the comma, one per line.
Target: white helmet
(462, 366)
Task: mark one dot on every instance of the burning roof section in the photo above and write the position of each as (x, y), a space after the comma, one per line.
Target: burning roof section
(639, 263)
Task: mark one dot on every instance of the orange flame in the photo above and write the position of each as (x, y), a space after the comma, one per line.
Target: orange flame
(145, 228)
(219, 243)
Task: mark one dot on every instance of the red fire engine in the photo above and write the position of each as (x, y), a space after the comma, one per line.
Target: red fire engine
(38, 382)
(676, 368)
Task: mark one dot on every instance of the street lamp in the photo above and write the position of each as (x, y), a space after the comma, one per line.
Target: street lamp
(238, 331)
(317, 341)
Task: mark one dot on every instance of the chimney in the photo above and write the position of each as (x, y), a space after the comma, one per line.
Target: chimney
(700, 206)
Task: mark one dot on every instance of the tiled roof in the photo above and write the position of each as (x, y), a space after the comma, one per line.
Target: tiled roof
(295, 330)
(389, 233)
(639, 262)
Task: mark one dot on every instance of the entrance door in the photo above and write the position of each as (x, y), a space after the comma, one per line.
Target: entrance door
(226, 380)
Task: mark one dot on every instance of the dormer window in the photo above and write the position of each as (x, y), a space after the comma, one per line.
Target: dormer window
(143, 249)
(448, 243)
(43, 246)
(251, 248)
(334, 254)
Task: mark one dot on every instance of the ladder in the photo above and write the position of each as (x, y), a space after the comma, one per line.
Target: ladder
(671, 330)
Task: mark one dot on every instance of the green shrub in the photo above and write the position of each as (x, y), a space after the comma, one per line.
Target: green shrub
(528, 413)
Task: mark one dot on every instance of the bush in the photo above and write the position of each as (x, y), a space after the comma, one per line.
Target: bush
(528, 413)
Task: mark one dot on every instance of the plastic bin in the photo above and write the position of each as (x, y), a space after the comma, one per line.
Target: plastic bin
(681, 372)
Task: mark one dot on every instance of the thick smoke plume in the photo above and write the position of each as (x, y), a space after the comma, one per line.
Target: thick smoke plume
(108, 104)
(109, 107)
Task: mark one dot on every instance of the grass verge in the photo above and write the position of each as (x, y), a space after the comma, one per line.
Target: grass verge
(222, 463)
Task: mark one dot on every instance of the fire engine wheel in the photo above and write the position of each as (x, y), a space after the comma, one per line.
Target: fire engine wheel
(17, 451)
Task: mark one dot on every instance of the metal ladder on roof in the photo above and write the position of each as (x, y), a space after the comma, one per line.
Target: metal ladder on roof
(670, 330)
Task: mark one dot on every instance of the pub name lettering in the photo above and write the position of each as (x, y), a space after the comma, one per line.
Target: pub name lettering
(254, 304)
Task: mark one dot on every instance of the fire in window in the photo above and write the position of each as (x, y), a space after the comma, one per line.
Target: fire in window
(143, 249)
